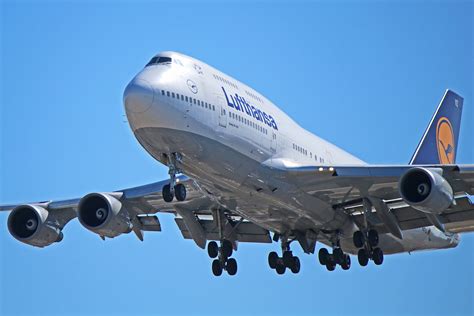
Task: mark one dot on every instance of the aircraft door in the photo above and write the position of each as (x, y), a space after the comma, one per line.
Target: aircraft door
(222, 112)
(273, 142)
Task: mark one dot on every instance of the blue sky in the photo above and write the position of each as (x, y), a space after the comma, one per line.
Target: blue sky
(364, 75)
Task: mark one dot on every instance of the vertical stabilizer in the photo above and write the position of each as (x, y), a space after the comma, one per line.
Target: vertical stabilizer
(439, 143)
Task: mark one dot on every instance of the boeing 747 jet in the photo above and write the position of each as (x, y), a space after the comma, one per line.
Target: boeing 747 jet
(241, 170)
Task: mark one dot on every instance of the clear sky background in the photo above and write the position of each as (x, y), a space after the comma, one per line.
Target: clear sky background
(364, 75)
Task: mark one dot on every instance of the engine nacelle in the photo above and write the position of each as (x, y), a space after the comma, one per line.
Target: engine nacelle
(104, 215)
(32, 225)
(426, 190)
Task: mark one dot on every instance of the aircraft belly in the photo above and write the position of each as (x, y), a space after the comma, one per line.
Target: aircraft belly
(238, 182)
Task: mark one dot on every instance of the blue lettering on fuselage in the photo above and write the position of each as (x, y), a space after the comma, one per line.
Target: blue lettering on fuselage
(240, 104)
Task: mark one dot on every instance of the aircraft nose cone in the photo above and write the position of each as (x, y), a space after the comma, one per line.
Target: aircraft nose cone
(138, 96)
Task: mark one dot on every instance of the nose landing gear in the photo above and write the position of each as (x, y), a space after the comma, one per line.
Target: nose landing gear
(173, 189)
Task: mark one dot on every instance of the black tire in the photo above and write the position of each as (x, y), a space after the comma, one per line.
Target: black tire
(346, 263)
(295, 265)
(166, 192)
(226, 248)
(373, 238)
(358, 239)
(212, 249)
(280, 268)
(330, 266)
(272, 259)
(216, 267)
(323, 256)
(377, 256)
(180, 192)
(338, 255)
(363, 257)
(231, 266)
(287, 259)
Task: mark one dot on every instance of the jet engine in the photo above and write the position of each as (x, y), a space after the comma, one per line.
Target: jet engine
(426, 190)
(33, 225)
(104, 214)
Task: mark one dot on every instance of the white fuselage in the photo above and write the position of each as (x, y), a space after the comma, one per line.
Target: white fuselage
(230, 137)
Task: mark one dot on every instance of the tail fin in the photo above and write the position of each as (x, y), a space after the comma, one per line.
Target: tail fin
(439, 142)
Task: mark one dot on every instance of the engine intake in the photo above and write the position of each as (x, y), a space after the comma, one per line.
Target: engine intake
(103, 214)
(426, 190)
(33, 225)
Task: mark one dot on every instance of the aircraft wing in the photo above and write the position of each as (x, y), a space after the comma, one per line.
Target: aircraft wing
(143, 202)
(345, 187)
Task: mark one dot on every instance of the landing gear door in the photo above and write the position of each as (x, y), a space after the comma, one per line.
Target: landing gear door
(222, 112)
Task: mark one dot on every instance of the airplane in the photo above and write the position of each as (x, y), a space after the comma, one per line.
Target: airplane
(241, 170)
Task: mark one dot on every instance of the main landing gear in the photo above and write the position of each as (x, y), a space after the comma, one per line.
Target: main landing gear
(223, 259)
(287, 260)
(173, 189)
(368, 243)
(337, 257)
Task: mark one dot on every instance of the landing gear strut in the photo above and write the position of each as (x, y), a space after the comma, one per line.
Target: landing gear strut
(173, 189)
(287, 260)
(222, 255)
(368, 243)
(338, 257)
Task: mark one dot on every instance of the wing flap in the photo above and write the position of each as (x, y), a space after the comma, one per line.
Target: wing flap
(245, 231)
(458, 218)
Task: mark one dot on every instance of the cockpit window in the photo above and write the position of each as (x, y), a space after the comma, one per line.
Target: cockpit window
(159, 60)
(164, 60)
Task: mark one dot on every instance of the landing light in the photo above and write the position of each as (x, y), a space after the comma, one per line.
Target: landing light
(321, 169)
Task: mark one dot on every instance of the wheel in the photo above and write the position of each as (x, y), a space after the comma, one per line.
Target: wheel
(280, 268)
(180, 192)
(166, 192)
(363, 257)
(330, 266)
(226, 248)
(212, 249)
(272, 259)
(216, 267)
(346, 263)
(231, 266)
(338, 255)
(295, 265)
(288, 258)
(373, 237)
(358, 239)
(323, 256)
(377, 256)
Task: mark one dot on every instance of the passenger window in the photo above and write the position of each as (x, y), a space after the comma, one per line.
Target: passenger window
(172, 94)
(199, 103)
(182, 97)
(162, 92)
(213, 107)
(168, 93)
